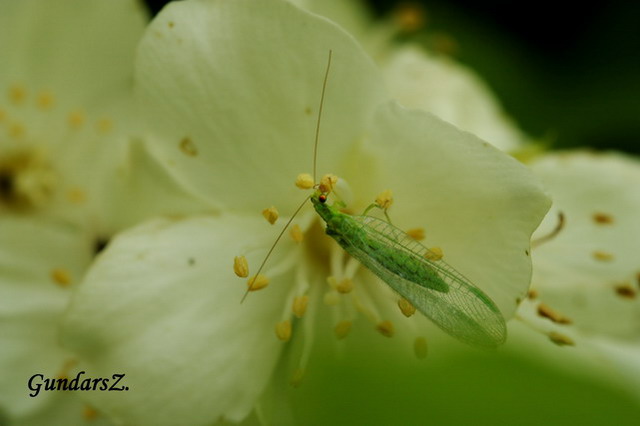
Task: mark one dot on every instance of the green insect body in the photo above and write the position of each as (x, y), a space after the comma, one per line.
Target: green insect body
(432, 286)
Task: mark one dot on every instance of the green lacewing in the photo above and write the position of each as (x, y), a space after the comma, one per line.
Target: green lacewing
(417, 274)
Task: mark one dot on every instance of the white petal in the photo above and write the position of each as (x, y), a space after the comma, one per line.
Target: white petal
(476, 203)
(162, 305)
(450, 91)
(40, 263)
(233, 90)
(581, 270)
(80, 48)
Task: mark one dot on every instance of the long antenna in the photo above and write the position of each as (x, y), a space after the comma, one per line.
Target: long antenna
(272, 247)
(315, 155)
(324, 88)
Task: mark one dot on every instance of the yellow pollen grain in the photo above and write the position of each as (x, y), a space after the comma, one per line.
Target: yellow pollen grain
(602, 256)
(187, 147)
(61, 276)
(434, 253)
(45, 100)
(104, 126)
(89, 413)
(283, 330)
(420, 347)
(406, 307)
(296, 233)
(345, 286)
(171, 24)
(602, 218)
(546, 312)
(304, 181)
(560, 339)
(626, 291)
(327, 183)
(385, 328)
(300, 304)
(331, 298)
(385, 199)
(257, 282)
(76, 196)
(17, 130)
(532, 294)
(17, 94)
(241, 266)
(296, 379)
(75, 119)
(417, 234)
(271, 214)
(410, 17)
(342, 329)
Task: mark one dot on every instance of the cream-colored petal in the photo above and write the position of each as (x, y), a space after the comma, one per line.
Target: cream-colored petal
(81, 50)
(437, 84)
(41, 262)
(589, 271)
(232, 90)
(476, 203)
(162, 305)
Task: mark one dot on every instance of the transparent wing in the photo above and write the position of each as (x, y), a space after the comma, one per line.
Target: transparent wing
(464, 311)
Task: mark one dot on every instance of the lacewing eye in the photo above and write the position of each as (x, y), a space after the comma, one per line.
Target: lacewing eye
(322, 198)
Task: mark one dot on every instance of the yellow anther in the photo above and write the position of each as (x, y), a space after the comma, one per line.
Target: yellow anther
(417, 234)
(300, 306)
(296, 379)
(602, 256)
(602, 218)
(283, 330)
(384, 199)
(104, 125)
(257, 282)
(76, 119)
(546, 312)
(304, 181)
(331, 298)
(61, 276)
(385, 328)
(16, 130)
(345, 286)
(406, 307)
(434, 253)
(296, 233)
(188, 147)
(420, 347)
(89, 413)
(626, 290)
(45, 100)
(327, 183)
(560, 339)
(76, 196)
(342, 329)
(271, 214)
(410, 16)
(241, 266)
(17, 94)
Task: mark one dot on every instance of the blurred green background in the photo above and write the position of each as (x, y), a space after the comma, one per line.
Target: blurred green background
(567, 72)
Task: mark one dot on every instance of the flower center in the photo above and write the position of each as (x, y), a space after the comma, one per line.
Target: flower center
(27, 181)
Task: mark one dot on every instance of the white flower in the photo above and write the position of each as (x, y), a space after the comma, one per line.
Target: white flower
(587, 276)
(232, 91)
(64, 107)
